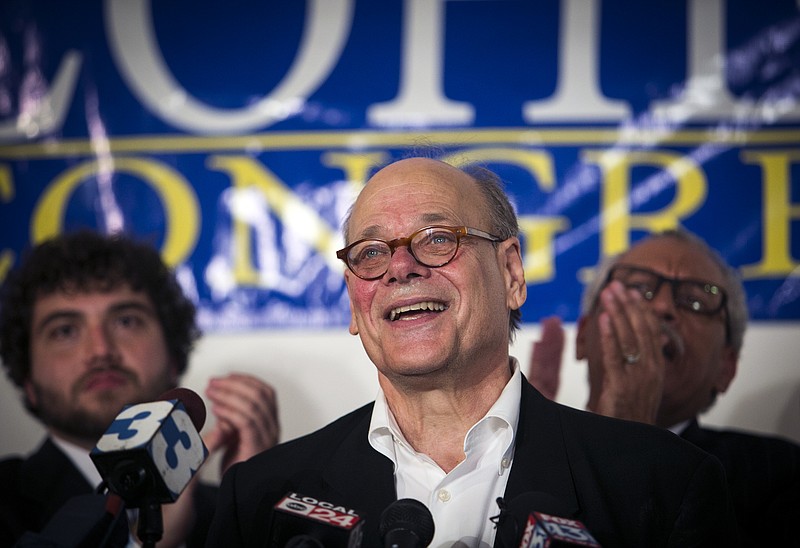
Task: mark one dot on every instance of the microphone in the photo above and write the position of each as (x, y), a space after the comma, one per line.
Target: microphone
(531, 519)
(406, 523)
(302, 521)
(152, 450)
(84, 521)
(543, 530)
(304, 541)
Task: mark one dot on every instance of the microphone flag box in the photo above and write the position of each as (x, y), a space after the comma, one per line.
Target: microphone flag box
(331, 524)
(546, 531)
(150, 452)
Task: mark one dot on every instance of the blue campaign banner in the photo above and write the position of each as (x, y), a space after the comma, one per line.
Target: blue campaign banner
(235, 135)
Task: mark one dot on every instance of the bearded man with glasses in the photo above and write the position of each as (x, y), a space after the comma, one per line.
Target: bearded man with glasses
(662, 329)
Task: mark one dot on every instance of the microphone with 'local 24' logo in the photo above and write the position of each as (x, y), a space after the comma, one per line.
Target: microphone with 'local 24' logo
(152, 450)
(299, 520)
(533, 519)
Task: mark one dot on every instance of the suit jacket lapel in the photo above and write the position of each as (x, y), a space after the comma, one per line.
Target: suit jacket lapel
(52, 479)
(694, 434)
(361, 478)
(541, 462)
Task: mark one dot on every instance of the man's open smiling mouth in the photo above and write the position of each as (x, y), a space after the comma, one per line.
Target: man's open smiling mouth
(433, 306)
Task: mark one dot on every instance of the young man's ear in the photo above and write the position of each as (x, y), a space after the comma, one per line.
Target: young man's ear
(31, 399)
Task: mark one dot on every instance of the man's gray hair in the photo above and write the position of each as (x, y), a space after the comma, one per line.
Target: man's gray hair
(731, 281)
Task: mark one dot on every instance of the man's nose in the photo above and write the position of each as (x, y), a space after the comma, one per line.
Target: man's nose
(403, 266)
(100, 340)
(663, 301)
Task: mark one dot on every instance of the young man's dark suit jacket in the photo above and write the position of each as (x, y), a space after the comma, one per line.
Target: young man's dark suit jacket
(33, 490)
(763, 475)
(630, 484)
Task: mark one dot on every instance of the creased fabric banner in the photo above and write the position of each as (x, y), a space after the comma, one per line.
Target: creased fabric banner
(235, 135)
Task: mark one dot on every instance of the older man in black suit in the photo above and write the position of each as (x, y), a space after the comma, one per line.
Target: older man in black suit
(435, 280)
(662, 329)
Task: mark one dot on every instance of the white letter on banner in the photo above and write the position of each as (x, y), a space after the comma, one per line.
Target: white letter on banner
(706, 96)
(43, 109)
(421, 100)
(577, 95)
(133, 44)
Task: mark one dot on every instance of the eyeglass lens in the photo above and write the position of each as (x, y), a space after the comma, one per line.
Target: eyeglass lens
(431, 247)
(693, 295)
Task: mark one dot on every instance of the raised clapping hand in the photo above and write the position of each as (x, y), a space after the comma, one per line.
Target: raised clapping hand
(246, 413)
(545, 367)
(632, 359)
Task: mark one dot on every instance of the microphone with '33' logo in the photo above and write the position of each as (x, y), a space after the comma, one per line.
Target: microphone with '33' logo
(152, 450)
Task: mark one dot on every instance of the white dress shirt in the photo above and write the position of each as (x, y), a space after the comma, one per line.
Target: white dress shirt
(463, 500)
(81, 459)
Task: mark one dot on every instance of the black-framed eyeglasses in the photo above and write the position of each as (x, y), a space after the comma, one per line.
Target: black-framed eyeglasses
(431, 246)
(697, 296)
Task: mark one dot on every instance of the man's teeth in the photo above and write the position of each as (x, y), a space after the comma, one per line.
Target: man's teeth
(428, 305)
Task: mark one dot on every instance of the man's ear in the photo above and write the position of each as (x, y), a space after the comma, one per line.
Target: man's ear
(30, 394)
(514, 272)
(353, 328)
(730, 361)
(580, 338)
(174, 375)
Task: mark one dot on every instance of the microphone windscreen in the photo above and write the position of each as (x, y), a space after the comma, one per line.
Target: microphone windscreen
(83, 520)
(193, 403)
(406, 516)
(304, 541)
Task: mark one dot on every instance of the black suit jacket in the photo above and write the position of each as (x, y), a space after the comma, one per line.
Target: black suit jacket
(630, 484)
(32, 491)
(764, 480)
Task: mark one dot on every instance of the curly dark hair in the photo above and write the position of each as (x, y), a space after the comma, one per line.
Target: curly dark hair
(85, 261)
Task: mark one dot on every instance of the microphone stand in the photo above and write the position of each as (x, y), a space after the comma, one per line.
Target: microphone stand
(134, 484)
(150, 527)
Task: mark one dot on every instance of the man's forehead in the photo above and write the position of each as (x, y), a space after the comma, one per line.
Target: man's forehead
(673, 256)
(94, 293)
(409, 175)
(428, 191)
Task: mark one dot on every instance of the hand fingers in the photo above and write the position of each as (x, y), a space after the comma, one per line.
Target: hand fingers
(219, 436)
(616, 302)
(248, 405)
(545, 365)
(628, 326)
(245, 393)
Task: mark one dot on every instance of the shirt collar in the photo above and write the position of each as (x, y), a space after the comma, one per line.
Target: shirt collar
(680, 427)
(80, 459)
(384, 431)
